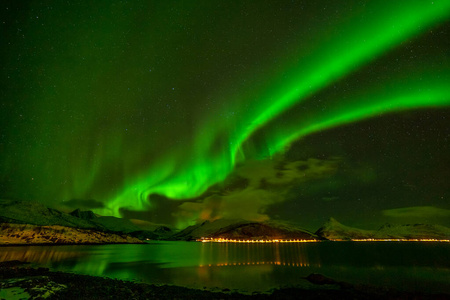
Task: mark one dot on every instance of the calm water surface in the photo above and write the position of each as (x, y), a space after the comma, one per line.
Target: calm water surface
(252, 267)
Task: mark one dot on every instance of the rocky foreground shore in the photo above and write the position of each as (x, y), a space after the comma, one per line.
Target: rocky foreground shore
(25, 234)
(19, 281)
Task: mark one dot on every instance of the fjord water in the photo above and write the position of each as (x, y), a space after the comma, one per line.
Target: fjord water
(412, 266)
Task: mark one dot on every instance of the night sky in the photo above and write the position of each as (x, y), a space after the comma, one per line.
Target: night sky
(179, 111)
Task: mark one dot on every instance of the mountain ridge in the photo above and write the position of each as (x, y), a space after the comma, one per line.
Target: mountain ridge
(36, 214)
(243, 230)
(333, 230)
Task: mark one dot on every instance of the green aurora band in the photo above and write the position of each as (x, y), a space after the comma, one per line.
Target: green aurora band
(93, 126)
(387, 27)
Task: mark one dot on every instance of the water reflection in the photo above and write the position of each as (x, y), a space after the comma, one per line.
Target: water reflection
(258, 263)
(38, 255)
(254, 267)
(256, 254)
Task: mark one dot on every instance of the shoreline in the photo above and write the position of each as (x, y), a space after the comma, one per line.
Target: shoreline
(6, 245)
(19, 278)
(69, 244)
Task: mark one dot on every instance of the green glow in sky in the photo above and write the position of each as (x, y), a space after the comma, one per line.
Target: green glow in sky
(117, 102)
(361, 40)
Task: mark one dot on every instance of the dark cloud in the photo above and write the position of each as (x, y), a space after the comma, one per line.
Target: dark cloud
(417, 212)
(84, 203)
(374, 173)
(159, 210)
(253, 187)
(393, 161)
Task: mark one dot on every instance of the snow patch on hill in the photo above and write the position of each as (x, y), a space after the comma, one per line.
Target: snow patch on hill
(242, 229)
(334, 230)
(33, 234)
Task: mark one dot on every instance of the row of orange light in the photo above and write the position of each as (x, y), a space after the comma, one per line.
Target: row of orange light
(221, 240)
(259, 263)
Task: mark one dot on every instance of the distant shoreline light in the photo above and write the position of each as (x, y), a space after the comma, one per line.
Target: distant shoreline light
(224, 240)
(398, 240)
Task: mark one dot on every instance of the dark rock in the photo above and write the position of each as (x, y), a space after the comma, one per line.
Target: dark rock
(60, 285)
(12, 263)
(320, 279)
(163, 230)
(144, 235)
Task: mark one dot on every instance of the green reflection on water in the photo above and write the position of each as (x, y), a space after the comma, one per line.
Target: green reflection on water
(252, 267)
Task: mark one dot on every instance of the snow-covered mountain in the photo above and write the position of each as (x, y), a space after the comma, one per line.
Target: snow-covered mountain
(413, 231)
(243, 230)
(42, 218)
(204, 229)
(81, 224)
(333, 230)
(27, 212)
(25, 234)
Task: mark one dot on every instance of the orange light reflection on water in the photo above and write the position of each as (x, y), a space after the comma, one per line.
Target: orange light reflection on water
(277, 263)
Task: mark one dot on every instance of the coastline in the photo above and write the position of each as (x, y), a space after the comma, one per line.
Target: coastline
(70, 244)
(27, 234)
(18, 279)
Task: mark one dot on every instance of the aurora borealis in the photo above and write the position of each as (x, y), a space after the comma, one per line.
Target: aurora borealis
(174, 111)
